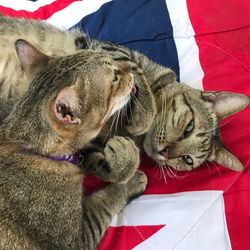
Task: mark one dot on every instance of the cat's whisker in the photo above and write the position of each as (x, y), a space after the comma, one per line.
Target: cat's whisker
(169, 173)
(165, 110)
(162, 170)
(245, 166)
(131, 113)
(139, 104)
(156, 169)
(111, 127)
(123, 114)
(208, 167)
(220, 125)
(117, 120)
(164, 176)
(223, 123)
(215, 165)
(175, 175)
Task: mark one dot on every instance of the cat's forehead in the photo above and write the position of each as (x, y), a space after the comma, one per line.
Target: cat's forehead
(185, 100)
(84, 59)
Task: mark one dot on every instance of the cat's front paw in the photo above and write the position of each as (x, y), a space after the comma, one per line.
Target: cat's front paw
(121, 159)
(136, 185)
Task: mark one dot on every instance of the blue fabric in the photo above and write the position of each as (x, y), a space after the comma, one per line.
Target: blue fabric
(138, 24)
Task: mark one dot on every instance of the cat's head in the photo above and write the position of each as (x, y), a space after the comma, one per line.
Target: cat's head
(73, 95)
(185, 131)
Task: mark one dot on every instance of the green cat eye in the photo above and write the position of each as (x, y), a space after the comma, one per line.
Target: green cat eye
(188, 129)
(190, 126)
(187, 159)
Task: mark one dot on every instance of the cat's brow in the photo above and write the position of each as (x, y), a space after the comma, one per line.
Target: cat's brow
(187, 103)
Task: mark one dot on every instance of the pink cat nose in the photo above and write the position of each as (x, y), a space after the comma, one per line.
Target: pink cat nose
(164, 152)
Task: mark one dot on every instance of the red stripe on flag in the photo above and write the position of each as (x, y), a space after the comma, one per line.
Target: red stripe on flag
(225, 60)
(127, 237)
(207, 177)
(41, 13)
(237, 206)
(217, 16)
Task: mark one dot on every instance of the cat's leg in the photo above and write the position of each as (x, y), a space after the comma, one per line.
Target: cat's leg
(100, 207)
(117, 161)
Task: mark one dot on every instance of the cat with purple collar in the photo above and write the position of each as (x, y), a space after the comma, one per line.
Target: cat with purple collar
(42, 203)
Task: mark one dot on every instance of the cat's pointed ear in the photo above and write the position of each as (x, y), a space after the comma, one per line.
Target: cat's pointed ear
(227, 103)
(66, 106)
(166, 77)
(227, 159)
(31, 59)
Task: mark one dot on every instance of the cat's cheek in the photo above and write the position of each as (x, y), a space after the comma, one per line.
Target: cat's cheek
(147, 145)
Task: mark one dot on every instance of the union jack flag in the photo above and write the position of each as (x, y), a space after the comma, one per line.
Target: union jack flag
(207, 43)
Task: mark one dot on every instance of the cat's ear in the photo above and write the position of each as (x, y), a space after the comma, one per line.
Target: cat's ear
(66, 106)
(163, 80)
(225, 158)
(227, 103)
(31, 59)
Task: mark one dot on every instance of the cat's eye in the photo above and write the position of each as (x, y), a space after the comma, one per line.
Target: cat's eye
(189, 128)
(187, 159)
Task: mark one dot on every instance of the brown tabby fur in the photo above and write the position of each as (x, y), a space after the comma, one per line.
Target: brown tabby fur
(52, 42)
(165, 141)
(185, 127)
(42, 205)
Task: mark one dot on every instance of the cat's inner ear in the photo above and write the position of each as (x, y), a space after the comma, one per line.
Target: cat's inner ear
(227, 159)
(66, 106)
(226, 103)
(31, 59)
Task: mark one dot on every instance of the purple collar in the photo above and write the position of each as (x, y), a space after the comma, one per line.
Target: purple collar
(75, 159)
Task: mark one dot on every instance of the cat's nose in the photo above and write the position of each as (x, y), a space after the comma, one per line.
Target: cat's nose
(164, 152)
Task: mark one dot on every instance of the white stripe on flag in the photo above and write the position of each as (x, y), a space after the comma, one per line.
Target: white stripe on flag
(194, 220)
(75, 12)
(191, 72)
(24, 4)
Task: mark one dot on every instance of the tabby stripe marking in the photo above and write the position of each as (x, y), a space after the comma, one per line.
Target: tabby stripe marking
(186, 102)
(122, 59)
(115, 49)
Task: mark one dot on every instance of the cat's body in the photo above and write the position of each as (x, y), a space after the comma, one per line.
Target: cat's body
(43, 36)
(42, 204)
(52, 42)
(183, 144)
(184, 133)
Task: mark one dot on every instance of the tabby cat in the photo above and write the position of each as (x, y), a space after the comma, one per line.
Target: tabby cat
(184, 133)
(42, 205)
(54, 42)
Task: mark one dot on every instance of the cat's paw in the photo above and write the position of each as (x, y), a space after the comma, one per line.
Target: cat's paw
(136, 185)
(121, 159)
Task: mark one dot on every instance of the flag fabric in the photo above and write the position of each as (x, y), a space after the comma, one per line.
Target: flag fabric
(207, 43)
